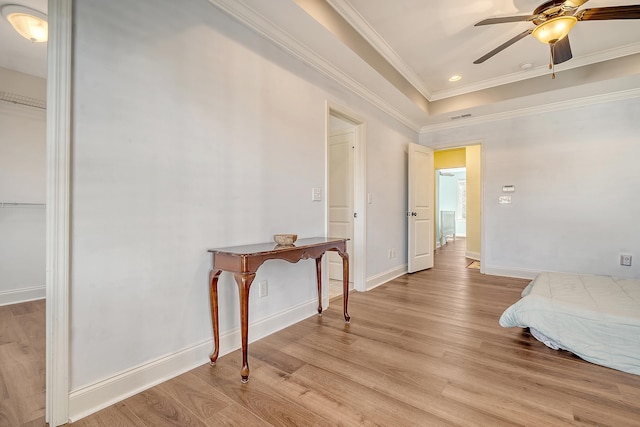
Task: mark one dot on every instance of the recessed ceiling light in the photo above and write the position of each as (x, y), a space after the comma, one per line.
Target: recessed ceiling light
(526, 66)
(455, 78)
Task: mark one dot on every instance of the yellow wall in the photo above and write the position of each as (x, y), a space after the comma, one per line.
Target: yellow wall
(468, 157)
(454, 158)
(474, 190)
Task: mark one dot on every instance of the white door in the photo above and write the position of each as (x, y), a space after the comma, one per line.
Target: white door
(420, 212)
(341, 147)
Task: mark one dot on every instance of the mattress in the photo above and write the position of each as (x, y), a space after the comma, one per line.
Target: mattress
(595, 317)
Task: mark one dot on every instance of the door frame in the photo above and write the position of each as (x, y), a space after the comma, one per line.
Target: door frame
(357, 262)
(479, 142)
(58, 246)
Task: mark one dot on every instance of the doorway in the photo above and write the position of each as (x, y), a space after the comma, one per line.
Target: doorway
(345, 213)
(340, 205)
(451, 205)
(23, 177)
(461, 168)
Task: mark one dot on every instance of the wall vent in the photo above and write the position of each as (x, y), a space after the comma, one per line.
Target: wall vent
(23, 100)
(462, 116)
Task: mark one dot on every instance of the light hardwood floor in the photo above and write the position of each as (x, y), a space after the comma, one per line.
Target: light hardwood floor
(422, 350)
(22, 362)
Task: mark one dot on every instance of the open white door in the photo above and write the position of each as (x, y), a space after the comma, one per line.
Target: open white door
(420, 211)
(340, 196)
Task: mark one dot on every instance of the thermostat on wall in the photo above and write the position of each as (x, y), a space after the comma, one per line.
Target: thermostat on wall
(504, 200)
(508, 188)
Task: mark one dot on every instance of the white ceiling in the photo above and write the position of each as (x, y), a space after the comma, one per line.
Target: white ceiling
(438, 39)
(425, 42)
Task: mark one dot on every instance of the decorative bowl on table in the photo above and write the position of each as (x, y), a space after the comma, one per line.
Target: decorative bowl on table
(285, 239)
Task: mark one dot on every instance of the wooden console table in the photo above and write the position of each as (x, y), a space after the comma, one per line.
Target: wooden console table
(244, 261)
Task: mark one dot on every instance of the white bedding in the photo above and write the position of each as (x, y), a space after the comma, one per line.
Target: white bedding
(595, 317)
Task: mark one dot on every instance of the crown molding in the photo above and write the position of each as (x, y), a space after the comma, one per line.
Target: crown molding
(261, 25)
(361, 25)
(541, 70)
(555, 106)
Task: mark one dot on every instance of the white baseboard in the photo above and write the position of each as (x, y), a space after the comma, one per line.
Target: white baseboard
(472, 255)
(519, 273)
(382, 278)
(22, 295)
(94, 397)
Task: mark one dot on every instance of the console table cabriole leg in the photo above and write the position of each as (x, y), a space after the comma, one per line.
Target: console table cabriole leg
(345, 284)
(244, 283)
(319, 277)
(213, 303)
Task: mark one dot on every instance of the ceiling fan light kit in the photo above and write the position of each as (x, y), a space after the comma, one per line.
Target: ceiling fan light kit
(554, 29)
(29, 23)
(553, 20)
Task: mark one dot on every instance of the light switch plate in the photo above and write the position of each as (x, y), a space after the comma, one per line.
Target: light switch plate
(316, 194)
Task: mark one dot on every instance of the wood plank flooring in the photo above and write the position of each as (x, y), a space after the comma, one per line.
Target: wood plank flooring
(22, 364)
(422, 350)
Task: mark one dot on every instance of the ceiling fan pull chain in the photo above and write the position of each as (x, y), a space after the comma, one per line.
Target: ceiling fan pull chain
(552, 66)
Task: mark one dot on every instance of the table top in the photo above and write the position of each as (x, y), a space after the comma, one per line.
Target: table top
(272, 247)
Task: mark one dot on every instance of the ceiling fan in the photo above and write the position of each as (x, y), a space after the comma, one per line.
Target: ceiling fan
(554, 19)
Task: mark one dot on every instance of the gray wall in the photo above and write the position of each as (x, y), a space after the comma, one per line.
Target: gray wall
(191, 132)
(576, 205)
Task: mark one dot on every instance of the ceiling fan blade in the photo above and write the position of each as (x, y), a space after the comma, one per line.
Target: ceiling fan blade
(562, 51)
(503, 46)
(575, 3)
(605, 13)
(504, 19)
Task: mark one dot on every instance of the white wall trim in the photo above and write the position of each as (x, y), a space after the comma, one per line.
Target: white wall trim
(555, 106)
(362, 26)
(90, 399)
(22, 295)
(59, 69)
(519, 273)
(539, 71)
(101, 394)
(382, 278)
(268, 29)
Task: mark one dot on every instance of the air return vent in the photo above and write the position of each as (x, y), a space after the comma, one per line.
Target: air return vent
(462, 116)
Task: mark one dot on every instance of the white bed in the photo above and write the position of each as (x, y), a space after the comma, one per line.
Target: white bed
(595, 317)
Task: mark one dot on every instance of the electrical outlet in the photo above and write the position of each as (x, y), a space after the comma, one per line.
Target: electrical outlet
(263, 289)
(390, 253)
(393, 252)
(625, 259)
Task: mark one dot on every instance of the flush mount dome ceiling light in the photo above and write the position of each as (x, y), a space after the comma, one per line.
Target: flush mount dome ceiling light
(29, 23)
